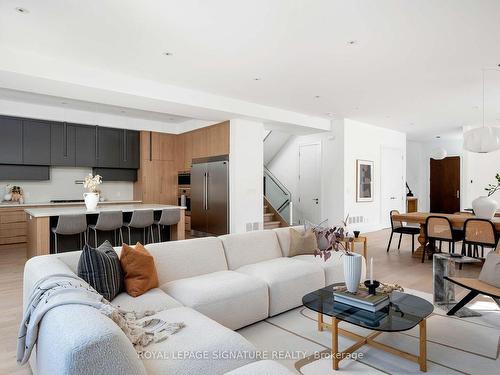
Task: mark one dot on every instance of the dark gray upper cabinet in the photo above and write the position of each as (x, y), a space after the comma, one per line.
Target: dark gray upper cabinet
(36, 142)
(109, 147)
(85, 145)
(62, 144)
(130, 149)
(11, 140)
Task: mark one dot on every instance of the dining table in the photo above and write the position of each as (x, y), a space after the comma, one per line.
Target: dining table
(457, 221)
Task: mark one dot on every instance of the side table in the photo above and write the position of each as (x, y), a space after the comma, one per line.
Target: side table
(444, 291)
(350, 241)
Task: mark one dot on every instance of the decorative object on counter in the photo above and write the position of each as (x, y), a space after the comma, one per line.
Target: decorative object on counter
(409, 193)
(91, 183)
(485, 207)
(338, 240)
(14, 194)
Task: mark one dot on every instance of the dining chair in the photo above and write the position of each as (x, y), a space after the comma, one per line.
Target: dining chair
(478, 233)
(398, 227)
(439, 229)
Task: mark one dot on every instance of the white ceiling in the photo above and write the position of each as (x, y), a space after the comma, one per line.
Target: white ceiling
(415, 66)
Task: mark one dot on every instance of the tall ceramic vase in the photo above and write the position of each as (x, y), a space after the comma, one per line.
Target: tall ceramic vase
(352, 271)
(91, 200)
(484, 207)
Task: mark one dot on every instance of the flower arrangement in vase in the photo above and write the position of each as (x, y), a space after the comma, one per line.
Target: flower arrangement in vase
(338, 240)
(91, 197)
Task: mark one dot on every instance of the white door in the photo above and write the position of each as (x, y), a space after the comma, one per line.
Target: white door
(310, 182)
(391, 183)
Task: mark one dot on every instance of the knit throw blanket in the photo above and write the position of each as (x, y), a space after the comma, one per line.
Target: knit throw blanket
(64, 289)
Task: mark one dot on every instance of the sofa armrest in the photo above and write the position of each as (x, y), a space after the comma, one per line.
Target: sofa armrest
(75, 339)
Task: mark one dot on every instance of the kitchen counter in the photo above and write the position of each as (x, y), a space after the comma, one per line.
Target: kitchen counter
(5, 204)
(58, 211)
(40, 220)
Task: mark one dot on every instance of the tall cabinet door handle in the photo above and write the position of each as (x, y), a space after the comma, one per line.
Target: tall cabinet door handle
(206, 193)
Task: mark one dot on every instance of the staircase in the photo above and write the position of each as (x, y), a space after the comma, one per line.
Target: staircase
(270, 221)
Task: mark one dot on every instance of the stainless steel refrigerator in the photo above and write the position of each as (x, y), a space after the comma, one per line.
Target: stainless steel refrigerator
(210, 195)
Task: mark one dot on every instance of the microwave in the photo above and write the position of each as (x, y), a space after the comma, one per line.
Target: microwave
(184, 178)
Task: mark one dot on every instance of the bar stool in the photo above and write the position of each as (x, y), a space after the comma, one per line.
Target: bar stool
(141, 219)
(108, 221)
(68, 225)
(168, 217)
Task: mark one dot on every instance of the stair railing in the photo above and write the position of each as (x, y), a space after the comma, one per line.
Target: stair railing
(278, 196)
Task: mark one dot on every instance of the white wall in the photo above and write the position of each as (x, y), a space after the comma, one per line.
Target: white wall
(364, 141)
(418, 155)
(62, 186)
(285, 165)
(245, 174)
(479, 170)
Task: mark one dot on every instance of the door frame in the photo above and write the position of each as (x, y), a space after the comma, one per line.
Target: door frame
(316, 143)
(403, 178)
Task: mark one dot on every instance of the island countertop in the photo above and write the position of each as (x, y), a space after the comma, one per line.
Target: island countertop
(61, 210)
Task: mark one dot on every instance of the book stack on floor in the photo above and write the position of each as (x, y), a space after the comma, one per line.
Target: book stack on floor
(362, 299)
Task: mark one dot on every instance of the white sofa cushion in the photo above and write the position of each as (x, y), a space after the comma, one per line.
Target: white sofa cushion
(180, 259)
(251, 247)
(153, 300)
(333, 267)
(201, 336)
(230, 298)
(265, 367)
(288, 281)
(77, 339)
(283, 235)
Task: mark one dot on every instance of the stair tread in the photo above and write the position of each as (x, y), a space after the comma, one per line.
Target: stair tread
(271, 222)
(268, 214)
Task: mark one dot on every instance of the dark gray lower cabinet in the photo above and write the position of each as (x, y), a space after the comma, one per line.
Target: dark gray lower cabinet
(109, 147)
(11, 140)
(85, 145)
(36, 142)
(62, 144)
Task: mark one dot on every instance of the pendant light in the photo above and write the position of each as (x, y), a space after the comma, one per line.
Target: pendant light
(484, 139)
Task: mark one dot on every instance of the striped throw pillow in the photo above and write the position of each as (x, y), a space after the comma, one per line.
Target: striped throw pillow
(100, 267)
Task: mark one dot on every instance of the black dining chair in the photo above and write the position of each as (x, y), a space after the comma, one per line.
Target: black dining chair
(439, 229)
(478, 233)
(398, 227)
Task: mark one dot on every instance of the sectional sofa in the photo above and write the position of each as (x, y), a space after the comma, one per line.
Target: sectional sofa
(214, 285)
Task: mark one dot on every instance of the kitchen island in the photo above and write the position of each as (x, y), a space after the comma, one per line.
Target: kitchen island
(40, 218)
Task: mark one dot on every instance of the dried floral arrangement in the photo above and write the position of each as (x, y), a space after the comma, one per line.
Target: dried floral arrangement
(91, 183)
(337, 238)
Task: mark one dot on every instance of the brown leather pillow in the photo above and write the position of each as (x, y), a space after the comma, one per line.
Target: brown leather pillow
(301, 244)
(139, 269)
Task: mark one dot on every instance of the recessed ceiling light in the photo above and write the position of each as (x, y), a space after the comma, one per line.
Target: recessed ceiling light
(351, 42)
(317, 96)
(122, 111)
(22, 10)
(330, 114)
(257, 79)
(171, 119)
(64, 103)
(168, 53)
(438, 136)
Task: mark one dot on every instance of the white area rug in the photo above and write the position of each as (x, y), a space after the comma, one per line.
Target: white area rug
(454, 345)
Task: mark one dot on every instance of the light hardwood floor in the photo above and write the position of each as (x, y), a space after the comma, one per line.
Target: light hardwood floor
(393, 267)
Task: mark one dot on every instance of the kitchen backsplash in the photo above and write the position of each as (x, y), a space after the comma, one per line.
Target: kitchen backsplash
(62, 186)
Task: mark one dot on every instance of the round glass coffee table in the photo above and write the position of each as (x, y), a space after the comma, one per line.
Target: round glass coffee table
(404, 312)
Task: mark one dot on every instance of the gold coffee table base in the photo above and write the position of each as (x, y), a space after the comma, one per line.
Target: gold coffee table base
(337, 356)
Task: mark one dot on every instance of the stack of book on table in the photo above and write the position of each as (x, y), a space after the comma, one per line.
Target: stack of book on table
(362, 299)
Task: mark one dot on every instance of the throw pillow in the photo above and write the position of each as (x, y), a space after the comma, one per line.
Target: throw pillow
(139, 269)
(100, 267)
(302, 244)
(319, 231)
(490, 273)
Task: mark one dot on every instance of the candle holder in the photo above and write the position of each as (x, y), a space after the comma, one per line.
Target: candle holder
(372, 287)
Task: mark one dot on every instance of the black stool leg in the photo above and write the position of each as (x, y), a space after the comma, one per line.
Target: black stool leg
(399, 243)
(412, 243)
(390, 239)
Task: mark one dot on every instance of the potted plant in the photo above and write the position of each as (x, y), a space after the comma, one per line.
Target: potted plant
(338, 240)
(91, 197)
(485, 207)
